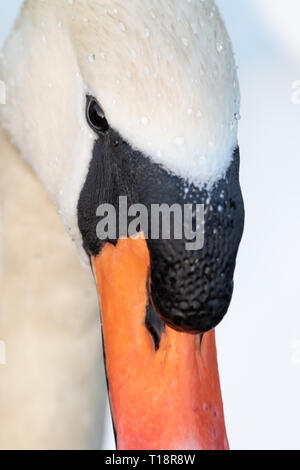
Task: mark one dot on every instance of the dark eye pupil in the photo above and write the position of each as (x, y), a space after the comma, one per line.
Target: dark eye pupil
(96, 117)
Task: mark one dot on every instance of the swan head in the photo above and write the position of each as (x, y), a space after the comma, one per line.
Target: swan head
(136, 100)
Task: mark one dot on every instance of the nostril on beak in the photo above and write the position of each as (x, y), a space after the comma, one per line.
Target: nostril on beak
(153, 322)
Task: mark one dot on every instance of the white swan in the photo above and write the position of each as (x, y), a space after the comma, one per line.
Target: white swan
(135, 98)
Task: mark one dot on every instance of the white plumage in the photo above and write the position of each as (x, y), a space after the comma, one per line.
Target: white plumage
(165, 76)
(52, 388)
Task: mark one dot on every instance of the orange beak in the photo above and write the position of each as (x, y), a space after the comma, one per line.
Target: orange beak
(164, 399)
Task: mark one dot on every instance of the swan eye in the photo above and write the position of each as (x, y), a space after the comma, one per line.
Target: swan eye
(95, 116)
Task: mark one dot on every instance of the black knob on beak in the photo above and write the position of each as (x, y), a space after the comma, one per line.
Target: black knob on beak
(192, 290)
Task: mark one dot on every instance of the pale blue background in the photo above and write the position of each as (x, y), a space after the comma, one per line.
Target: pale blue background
(259, 341)
(8, 11)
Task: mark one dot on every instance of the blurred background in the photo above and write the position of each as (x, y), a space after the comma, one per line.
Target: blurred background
(259, 340)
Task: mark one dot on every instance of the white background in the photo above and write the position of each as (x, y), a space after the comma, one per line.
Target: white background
(259, 341)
